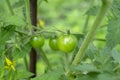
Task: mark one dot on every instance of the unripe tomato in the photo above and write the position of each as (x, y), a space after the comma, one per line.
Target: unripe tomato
(67, 43)
(53, 43)
(37, 41)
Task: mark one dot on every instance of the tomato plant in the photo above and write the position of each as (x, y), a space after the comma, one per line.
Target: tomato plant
(95, 51)
(37, 41)
(53, 43)
(67, 43)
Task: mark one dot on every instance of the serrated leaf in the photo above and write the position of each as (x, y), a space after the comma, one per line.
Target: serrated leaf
(85, 67)
(116, 8)
(52, 75)
(103, 56)
(104, 59)
(116, 56)
(91, 51)
(113, 33)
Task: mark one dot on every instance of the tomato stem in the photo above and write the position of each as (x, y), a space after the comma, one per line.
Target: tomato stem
(10, 7)
(105, 6)
(26, 62)
(45, 59)
(28, 16)
(86, 24)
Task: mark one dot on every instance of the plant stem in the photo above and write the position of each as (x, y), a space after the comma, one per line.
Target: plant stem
(10, 7)
(21, 32)
(105, 6)
(28, 15)
(99, 39)
(45, 59)
(66, 61)
(86, 23)
(26, 63)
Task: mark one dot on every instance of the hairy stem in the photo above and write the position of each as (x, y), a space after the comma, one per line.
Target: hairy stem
(105, 6)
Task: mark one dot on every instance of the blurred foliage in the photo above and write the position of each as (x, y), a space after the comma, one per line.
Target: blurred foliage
(55, 17)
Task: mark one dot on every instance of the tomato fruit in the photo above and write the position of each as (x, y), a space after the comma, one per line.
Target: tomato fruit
(37, 41)
(67, 43)
(53, 43)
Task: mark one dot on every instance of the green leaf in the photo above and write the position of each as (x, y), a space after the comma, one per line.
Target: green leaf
(103, 56)
(6, 32)
(106, 76)
(23, 74)
(18, 4)
(116, 56)
(104, 60)
(113, 35)
(93, 11)
(14, 20)
(91, 51)
(86, 77)
(116, 8)
(22, 52)
(52, 75)
(85, 67)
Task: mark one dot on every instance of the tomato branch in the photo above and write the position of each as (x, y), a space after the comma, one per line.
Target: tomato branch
(28, 15)
(10, 7)
(45, 59)
(105, 6)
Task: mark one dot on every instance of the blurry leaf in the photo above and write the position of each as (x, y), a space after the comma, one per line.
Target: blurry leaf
(86, 68)
(23, 74)
(46, 1)
(104, 60)
(91, 51)
(93, 11)
(116, 8)
(63, 77)
(106, 76)
(113, 35)
(6, 32)
(17, 53)
(103, 56)
(14, 20)
(116, 56)
(52, 75)
(86, 77)
(18, 4)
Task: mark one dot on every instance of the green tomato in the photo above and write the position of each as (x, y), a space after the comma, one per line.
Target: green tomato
(67, 43)
(37, 41)
(53, 43)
